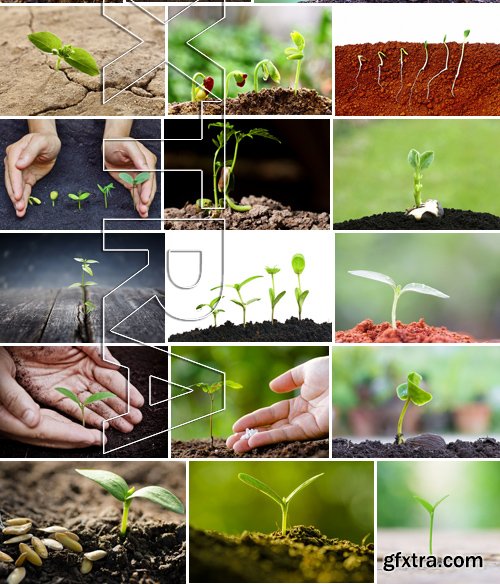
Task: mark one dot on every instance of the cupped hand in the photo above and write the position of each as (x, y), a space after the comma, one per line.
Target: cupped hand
(304, 417)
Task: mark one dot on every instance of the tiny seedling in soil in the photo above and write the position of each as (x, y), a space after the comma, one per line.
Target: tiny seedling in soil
(410, 392)
(275, 298)
(212, 305)
(419, 162)
(105, 192)
(283, 502)
(78, 58)
(86, 269)
(397, 289)
(200, 91)
(269, 70)
(120, 490)
(298, 266)
(79, 198)
(419, 71)
(134, 181)
(402, 52)
(34, 201)
(241, 302)
(296, 53)
(53, 197)
(431, 510)
(211, 390)
(381, 57)
(361, 60)
(442, 70)
(99, 396)
(239, 78)
(466, 34)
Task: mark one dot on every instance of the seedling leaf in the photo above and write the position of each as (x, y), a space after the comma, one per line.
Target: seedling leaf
(69, 394)
(233, 384)
(248, 280)
(87, 269)
(126, 177)
(440, 501)
(279, 297)
(302, 486)
(423, 289)
(45, 41)
(260, 486)
(414, 158)
(160, 496)
(83, 61)
(411, 390)
(109, 481)
(72, 196)
(426, 159)
(374, 276)
(100, 395)
(298, 263)
(425, 504)
(142, 177)
(75, 285)
(252, 300)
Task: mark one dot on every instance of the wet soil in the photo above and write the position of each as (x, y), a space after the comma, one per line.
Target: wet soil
(52, 493)
(264, 214)
(481, 448)
(415, 332)
(452, 219)
(303, 555)
(203, 449)
(277, 101)
(292, 330)
(477, 91)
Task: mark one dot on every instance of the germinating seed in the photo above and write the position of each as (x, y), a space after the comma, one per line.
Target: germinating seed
(16, 576)
(95, 555)
(5, 558)
(18, 521)
(18, 538)
(54, 529)
(21, 559)
(17, 529)
(86, 566)
(32, 556)
(68, 542)
(39, 547)
(52, 544)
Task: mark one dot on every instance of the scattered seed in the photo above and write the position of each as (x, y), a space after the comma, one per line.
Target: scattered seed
(5, 558)
(68, 542)
(21, 559)
(18, 521)
(86, 566)
(95, 555)
(72, 535)
(52, 544)
(32, 556)
(16, 576)
(17, 529)
(19, 538)
(39, 547)
(54, 529)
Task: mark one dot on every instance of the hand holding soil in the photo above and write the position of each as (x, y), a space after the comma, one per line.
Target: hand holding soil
(304, 417)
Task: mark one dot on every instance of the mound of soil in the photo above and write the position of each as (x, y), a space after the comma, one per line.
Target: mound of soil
(292, 330)
(304, 554)
(264, 214)
(452, 219)
(414, 332)
(54, 494)
(481, 448)
(277, 101)
(203, 449)
(477, 91)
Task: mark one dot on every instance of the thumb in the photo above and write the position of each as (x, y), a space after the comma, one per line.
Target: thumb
(288, 381)
(33, 149)
(19, 403)
(136, 155)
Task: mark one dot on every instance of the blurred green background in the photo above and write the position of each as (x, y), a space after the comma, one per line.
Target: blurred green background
(473, 488)
(252, 367)
(340, 503)
(372, 174)
(463, 381)
(244, 38)
(465, 266)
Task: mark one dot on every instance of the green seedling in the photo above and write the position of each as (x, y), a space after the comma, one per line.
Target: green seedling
(105, 192)
(88, 306)
(410, 392)
(298, 266)
(239, 78)
(99, 396)
(120, 490)
(241, 302)
(212, 305)
(419, 71)
(269, 70)
(211, 390)
(442, 70)
(134, 181)
(431, 509)
(381, 57)
(365, 539)
(79, 198)
(296, 53)
(466, 34)
(402, 53)
(361, 60)
(53, 197)
(283, 502)
(275, 298)
(74, 56)
(201, 86)
(34, 201)
(397, 289)
(419, 162)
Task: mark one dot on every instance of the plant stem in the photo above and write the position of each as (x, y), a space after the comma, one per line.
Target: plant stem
(214, 171)
(442, 70)
(105, 200)
(417, 187)
(79, 205)
(211, 420)
(284, 514)
(230, 202)
(272, 303)
(126, 507)
(399, 432)
(297, 76)
(194, 85)
(430, 533)
(256, 76)
(458, 69)
(397, 294)
(58, 62)
(82, 408)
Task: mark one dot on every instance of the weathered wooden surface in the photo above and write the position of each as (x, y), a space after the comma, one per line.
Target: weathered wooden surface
(55, 316)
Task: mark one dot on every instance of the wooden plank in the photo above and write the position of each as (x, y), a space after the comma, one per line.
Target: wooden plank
(24, 314)
(66, 322)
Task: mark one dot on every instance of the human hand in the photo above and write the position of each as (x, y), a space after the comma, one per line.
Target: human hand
(81, 370)
(303, 417)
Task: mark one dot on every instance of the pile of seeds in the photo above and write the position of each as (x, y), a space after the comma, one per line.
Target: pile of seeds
(57, 538)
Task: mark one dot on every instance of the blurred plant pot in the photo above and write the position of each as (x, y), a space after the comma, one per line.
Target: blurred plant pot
(472, 418)
(436, 422)
(363, 421)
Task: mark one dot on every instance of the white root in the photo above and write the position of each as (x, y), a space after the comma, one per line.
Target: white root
(420, 71)
(442, 70)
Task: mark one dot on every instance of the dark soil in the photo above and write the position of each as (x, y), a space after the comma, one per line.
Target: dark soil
(293, 330)
(264, 214)
(415, 332)
(481, 448)
(303, 555)
(203, 449)
(52, 493)
(143, 361)
(78, 167)
(477, 91)
(387, 1)
(452, 219)
(278, 101)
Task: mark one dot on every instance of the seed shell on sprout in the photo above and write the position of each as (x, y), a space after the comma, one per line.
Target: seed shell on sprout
(95, 555)
(32, 556)
(39, 547)
(18, 538)
(21, 559)
(16, 576)
(17, 529)
(5, 558)
(17, 521)
(52, 544)
(54, 529)
(86, 566)
(68, 542)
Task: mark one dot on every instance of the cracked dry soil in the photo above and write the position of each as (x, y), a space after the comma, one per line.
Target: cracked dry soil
(30, 85)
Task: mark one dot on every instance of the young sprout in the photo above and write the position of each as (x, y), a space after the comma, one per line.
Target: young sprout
(74, 56)
(81, 196)
(211, 390)
(53, 197)
(272, 291)
(34, 201)
(442, 70)
(298, 266)
(269, 70)
(361, 60)
(466, 34)
(212, 305)
(402, 52)
(283, 502)
(199, 92)
(239, 78)
(419, 162)
(241, 302)
(88, 306)
(410, 392)
(419, 71)
(134, 181)
(397, 289)
(431, 510)
(105, 192)
(381, 57)
(296, 53)
(99, 396)
(120, 490)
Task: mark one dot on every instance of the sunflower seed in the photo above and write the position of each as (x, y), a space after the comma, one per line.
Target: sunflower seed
(19, 538)
(16, 576)
(20, 560)
(39, 547)
(68, 542)
(18, 521)
(17, 529)
(86, 566)
(52, 544)
(32, 556)
(5, 558)
(54, 529)
(95, 555)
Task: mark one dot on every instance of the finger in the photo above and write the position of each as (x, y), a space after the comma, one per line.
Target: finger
(263, 417)
(233, 439)
(142, 198)
(8, 184)
(114, 416)
(287, 433)
(35, 146)
(136, 155)
(18, 402)
(115, 382)
(288, 381)
(95, 354)
(14, 151)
